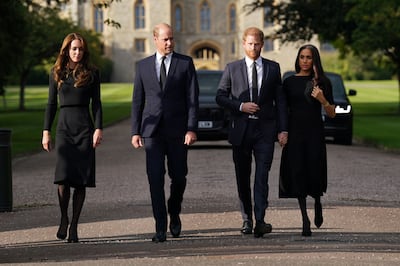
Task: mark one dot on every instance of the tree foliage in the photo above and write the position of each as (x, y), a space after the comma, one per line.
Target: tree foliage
(360, 26)
(31, 34)
(95, 3)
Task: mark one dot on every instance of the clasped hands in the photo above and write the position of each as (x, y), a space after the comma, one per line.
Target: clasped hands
(250, 108)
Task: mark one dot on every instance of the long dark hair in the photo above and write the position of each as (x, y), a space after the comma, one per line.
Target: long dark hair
(317, 65)
(82, 73)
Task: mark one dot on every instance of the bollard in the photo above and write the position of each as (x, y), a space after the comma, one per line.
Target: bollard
(5, 171)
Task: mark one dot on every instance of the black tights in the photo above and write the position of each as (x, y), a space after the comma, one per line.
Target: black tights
(64, 192)
(303, 206)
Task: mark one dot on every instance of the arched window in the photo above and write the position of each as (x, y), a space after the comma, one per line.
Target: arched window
(205, 20)
(178, 18)
(139, 15)
(98, 20)
(232, 18)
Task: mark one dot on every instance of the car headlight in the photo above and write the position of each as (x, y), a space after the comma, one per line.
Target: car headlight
(343, 110)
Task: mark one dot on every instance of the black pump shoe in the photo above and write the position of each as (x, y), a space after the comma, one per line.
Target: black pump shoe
(318, 219)
(62, 230)
(306, 228)
(73, 235)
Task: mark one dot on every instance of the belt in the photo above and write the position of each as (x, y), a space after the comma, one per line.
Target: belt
(253, 117)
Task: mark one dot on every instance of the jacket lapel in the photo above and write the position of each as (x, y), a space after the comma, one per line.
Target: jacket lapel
(246, 85)
(264, 79)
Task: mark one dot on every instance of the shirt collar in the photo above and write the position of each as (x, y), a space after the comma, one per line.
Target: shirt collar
(159, 56)
(250, 62)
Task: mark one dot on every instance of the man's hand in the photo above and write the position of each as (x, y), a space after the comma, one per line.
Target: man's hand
(190, 138)
(250, 108)
(137, 141)
(283, 138)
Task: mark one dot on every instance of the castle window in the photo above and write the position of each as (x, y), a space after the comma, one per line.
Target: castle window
(268, 45)
(98, 20)
(178, 18)
(232, 18)
(139, 15)
(140, 45)
(205, 18)
(267, 12)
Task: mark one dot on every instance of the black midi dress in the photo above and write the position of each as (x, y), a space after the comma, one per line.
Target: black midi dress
(303, 169)
(74, 137)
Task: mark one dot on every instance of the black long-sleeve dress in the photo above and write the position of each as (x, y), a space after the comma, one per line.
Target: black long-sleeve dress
(74, 138)
(303, 169)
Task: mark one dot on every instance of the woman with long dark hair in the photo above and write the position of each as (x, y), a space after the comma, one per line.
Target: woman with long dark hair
(75, 84)
(303, 169)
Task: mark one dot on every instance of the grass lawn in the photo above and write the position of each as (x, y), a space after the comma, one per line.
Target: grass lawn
(376, 113)
(376, 117)
(27, 126)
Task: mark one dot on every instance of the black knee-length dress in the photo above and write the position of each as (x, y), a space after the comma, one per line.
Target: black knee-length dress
(303, 169)
(74, 137)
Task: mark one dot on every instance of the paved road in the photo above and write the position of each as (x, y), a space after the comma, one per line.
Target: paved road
(362, 214)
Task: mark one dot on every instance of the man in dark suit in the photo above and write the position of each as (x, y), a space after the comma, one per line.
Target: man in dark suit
(251, 89)
(164, 120)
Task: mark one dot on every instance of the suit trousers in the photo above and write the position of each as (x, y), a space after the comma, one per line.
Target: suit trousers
(157, 150)
(254, 142)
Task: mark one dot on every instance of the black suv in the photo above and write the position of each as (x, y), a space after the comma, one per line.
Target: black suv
(213, 119)
(340, 128)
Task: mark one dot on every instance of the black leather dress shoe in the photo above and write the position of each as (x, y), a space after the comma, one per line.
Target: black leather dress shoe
(247, 228)
(261, 229)
(159, 237)
(175, 225)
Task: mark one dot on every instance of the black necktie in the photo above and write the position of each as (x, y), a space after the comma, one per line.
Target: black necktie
(163, 73)
(254, 85)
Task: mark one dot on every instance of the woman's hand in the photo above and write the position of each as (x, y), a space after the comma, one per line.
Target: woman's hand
(97, 137)
(46, 140)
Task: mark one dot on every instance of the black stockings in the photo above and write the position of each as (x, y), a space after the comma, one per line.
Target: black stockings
(78, 199)
(318, 220)
(306, 222)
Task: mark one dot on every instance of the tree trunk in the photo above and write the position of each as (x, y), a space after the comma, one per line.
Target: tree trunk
(22, 84)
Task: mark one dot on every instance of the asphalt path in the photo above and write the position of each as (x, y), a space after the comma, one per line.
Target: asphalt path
(361, 212)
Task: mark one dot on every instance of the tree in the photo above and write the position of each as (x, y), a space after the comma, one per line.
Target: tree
(12, 28)
(358, 26)
(31, 34)
(44, 32)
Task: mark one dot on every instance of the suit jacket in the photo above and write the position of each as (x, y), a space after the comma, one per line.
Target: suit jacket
(175, 107)
(233, 90)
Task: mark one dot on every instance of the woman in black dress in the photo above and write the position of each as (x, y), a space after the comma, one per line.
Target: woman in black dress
(76, 85)
(303, 169)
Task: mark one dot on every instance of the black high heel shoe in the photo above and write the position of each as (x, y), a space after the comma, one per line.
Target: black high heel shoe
(73, 235)
(318, 219)
(62, 229)
(306, 228)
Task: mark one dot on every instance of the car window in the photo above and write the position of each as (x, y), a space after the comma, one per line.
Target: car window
(337, 86)
(208, 82)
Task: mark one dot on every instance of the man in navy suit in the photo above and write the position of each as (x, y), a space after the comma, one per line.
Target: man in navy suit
(164, 120)
(251, 89)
